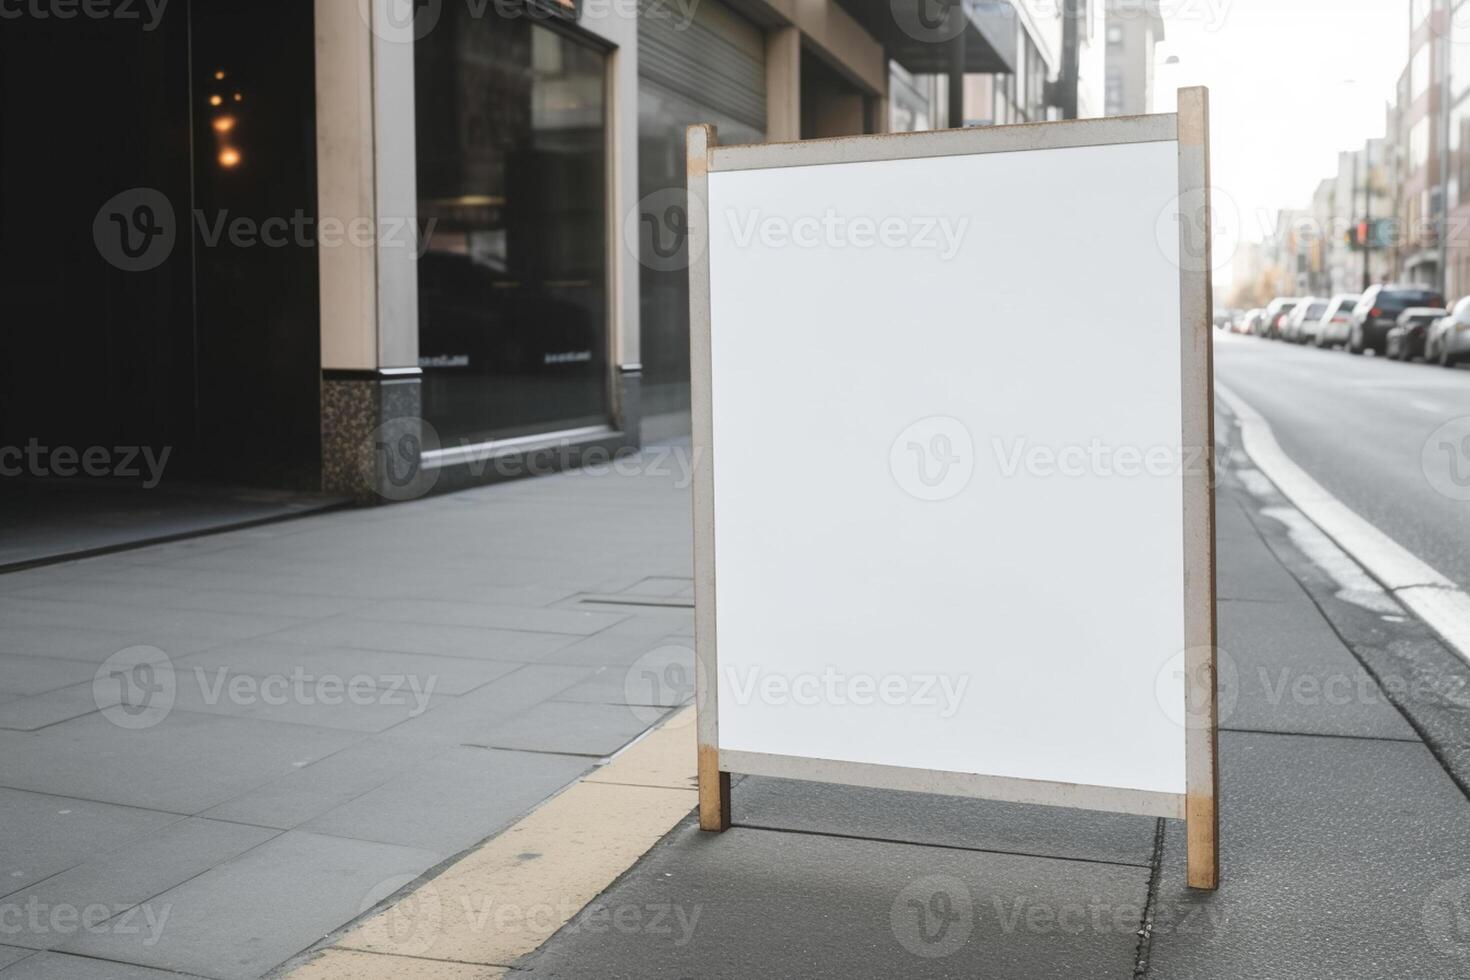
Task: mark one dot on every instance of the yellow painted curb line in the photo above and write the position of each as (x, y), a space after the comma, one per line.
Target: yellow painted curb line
(514, 892)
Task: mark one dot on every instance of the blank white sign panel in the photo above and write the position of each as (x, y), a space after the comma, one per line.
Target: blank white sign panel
(946, 399)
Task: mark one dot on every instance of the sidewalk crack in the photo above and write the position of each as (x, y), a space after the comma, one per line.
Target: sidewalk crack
(1146, 927)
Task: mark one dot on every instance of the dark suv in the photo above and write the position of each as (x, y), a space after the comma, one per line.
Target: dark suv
(1378, 312)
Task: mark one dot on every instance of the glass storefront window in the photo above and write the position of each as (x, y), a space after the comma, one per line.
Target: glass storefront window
(663, 116)
(1419, 73)
(512, 163)
(1459, 153)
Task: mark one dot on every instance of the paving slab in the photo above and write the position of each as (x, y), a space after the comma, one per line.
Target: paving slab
(272, 658)
(58, 966)
(350, 964)
(663, 676)
(943, 821)
(124, 878)
(63, 642)
(1293, 674)
(121, 617)
(185, 764)
(755, 903)
(23, 676)
(116, 587)
(36, 711)
(610, 649)
(309, 791)
(466, 719)
(45, 835)
(1249, 574)
(571, 727)
(438, 638)
(243, 917)
(452, 801)
(520, 618)
(351, 703)
(10, 954)
(1339, 858)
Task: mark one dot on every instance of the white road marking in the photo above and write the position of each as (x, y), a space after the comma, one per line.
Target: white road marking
(1432, 596)
(1353, 584)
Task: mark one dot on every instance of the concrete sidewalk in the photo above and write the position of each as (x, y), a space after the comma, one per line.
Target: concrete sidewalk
(214, 753)
(1346, 835)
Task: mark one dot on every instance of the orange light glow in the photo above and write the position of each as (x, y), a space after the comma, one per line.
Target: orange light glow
(219, 76)
(216, 100)
(224, 124)
(239, 97)
(229, 158)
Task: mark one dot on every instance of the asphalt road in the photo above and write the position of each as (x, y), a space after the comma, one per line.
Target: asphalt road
(1359, 426)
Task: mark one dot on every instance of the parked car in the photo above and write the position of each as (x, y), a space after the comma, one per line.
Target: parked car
(1250, 322)
(1448, 340)
(1276, 313)
(1337, 322)
(1303, 318)
(1406, 339)
(1378, 312)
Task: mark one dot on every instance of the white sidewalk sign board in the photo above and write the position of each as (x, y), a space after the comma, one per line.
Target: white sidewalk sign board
(954, 453)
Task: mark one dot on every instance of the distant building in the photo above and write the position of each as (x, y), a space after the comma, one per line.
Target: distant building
(1134, 29)
(1361, 196)
(1419, 132)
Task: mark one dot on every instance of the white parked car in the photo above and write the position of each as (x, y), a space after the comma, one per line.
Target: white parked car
(1448, 340)
(1336, 324)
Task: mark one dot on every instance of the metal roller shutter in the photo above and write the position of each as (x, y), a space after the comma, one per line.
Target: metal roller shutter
(717, 58)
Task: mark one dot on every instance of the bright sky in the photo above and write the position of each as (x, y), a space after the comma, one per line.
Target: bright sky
(1291, 82)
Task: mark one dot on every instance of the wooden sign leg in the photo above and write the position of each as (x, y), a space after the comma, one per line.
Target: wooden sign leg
(1202, 831)
(714, 791)
(714, 786)
(1202, 774)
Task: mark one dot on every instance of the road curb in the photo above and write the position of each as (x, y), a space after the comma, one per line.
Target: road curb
(1431, 596)
(510, 895)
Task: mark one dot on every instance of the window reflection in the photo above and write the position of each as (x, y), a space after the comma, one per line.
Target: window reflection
(663, 116)
(512, 285)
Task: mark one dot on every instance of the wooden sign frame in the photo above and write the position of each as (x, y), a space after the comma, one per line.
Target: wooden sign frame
(1198, 805)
